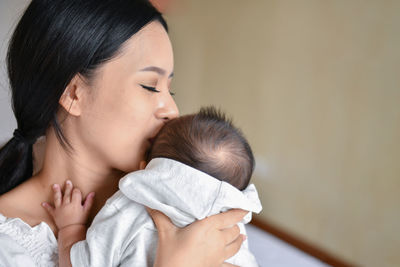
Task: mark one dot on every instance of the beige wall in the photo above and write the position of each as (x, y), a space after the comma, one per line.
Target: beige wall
(315, 87)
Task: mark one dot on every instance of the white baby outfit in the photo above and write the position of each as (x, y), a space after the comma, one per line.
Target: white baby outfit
(123, 232)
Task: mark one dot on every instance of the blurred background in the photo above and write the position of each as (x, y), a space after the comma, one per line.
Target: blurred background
(315, 87)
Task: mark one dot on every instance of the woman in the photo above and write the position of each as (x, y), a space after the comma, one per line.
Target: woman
(94, 77)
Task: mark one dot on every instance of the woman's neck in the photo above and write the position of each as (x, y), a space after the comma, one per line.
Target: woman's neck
(85, 171)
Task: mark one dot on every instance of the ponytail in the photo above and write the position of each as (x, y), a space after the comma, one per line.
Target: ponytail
(15, 162)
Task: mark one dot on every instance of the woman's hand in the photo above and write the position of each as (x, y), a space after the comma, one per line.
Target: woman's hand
(204, 243)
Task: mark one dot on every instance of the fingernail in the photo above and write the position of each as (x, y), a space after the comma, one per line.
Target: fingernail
(69, 182)
(44, 204)
(55, 186)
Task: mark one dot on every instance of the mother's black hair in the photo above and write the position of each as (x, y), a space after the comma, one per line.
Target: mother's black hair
(53, 41)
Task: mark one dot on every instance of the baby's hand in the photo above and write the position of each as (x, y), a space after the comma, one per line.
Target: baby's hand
(68, 209)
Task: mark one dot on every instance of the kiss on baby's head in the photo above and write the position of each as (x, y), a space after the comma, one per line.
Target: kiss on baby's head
(209, 142)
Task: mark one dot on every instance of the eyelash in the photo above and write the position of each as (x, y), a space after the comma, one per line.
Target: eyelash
(153, 89)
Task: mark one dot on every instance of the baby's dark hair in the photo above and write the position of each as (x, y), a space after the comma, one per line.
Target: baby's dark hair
(209, 142)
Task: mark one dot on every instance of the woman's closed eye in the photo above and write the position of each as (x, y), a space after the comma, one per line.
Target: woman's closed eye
(153, 89)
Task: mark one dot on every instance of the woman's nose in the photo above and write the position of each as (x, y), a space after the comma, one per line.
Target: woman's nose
(168, 111)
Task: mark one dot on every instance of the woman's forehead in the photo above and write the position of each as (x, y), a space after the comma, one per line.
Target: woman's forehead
(150, 48)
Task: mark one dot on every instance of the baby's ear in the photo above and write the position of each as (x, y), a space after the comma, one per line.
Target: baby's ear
(142, 165)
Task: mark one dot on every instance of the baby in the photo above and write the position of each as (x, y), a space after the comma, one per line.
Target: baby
(199, 165)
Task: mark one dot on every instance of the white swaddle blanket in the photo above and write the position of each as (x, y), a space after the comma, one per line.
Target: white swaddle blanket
(123, 234)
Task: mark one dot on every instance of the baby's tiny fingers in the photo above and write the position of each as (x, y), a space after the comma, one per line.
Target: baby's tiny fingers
(77, 196)
(67, 192)
(88, 201)
(48, 208)
(57, 195)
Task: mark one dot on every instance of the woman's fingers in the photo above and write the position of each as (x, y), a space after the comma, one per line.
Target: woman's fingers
(227, 219)
(234, 247)
(162, 222)
(230, 234)
(57, 195)
(67, 192)
(225, 264)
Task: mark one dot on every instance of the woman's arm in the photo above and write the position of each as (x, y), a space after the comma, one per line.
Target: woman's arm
(208, 242)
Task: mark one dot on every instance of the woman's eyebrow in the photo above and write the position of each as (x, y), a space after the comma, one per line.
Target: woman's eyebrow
(160, 71)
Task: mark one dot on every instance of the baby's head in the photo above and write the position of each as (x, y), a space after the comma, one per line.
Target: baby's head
(207, 141)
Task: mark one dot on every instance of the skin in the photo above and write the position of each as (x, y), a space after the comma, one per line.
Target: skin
(70, 216)
(109, 121)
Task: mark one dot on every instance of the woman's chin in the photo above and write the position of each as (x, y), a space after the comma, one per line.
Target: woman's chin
(130, 167)
(134, 164)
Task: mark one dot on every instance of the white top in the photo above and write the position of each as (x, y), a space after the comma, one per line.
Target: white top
(23, 245)
(123, 234)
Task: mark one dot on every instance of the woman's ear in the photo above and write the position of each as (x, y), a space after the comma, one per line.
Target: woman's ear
(72, 98)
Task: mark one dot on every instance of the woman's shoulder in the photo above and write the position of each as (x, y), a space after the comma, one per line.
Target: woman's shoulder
(11, 199)
(12, 206)
(37, 243)
(24, 202)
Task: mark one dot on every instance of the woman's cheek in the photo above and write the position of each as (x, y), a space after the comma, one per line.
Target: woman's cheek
(127, 150)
